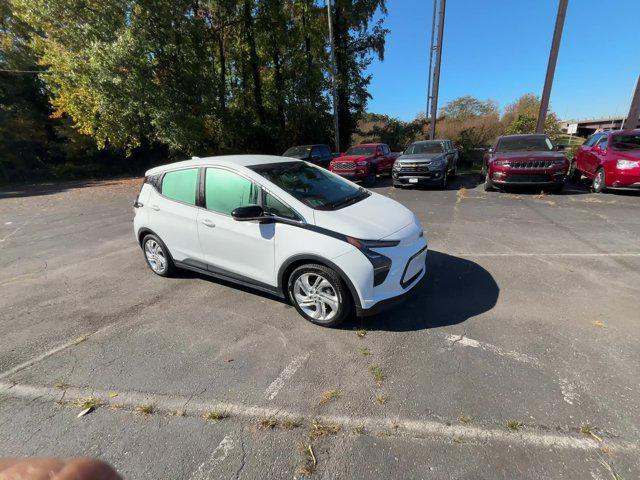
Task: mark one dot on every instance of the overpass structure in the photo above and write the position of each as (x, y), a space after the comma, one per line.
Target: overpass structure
(586, 127)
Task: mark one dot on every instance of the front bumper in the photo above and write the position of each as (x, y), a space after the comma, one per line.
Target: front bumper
(422, 178)
(541, 177)
(624, 178)
(357, 174)
(389, 303)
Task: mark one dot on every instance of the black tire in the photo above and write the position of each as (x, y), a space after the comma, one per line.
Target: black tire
(370, 179)
(454, 172)
(574, 174)
(488, 184)
(344, 303)
(150, 244)
(599, 181)
(443, 183)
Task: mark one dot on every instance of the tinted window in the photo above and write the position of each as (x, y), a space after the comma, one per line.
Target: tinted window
(360, 151)
(298, 152)
(275, 207)
(385, 149)
(424, 147)
(602, 143)
(181, 185)
(591, 141)
(326, 151)
(520, 144)
(627, 141)
(313, 186)
(225, 191)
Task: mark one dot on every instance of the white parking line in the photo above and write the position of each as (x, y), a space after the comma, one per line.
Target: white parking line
(470, 342)
(219, 454)
(375, 425)
(273, 389)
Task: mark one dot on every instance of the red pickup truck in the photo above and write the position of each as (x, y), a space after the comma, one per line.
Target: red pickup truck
(364, 162)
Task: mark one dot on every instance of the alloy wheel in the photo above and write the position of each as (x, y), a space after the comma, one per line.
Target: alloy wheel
(316, 296)
(155, 256)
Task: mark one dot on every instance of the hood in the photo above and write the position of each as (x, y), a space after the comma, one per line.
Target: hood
(373, 218)
(417, 157)
(301, 156)
(527, 156)
(352, 158)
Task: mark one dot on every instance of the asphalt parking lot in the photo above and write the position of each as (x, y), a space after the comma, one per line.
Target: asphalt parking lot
(518, 357)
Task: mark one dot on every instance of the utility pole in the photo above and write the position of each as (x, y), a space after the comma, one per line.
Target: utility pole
(336, 122)
(436, 71)
(551, 67)
(631, 121)
(433, 29)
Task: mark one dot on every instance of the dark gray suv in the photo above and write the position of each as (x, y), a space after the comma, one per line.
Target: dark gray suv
(428, 162)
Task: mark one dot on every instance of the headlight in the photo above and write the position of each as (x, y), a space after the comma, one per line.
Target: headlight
(397, 166)
(381, 264)
(361, 164)
(628, 164)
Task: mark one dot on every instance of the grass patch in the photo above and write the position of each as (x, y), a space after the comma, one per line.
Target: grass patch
(145, 409)
(378, 376)
(328, 395)
(308, 461)
(87, 402)
(267, 424)
(364, 351)
(289, 423)
(466, 419)
(360, 429)
(361, 332)
(216, 415)
(319, 429)
(381, 398)
(178, 413)
(598, 324)
(588, 431)
(514, 425)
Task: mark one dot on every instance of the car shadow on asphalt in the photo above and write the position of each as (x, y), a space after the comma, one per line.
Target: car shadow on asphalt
(454, 290)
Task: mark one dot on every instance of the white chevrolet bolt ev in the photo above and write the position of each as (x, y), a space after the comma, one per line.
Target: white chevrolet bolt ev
(282, 226)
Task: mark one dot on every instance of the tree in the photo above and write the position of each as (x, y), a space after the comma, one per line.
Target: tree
(466, 107)
(522, 117)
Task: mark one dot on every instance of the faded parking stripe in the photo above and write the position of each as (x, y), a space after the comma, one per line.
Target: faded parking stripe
(273, 389)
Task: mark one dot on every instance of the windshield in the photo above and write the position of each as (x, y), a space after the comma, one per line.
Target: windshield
(425, 147)
(520, 144)
(627, 141)
(313, 186)
(360, 150)
(298, 152)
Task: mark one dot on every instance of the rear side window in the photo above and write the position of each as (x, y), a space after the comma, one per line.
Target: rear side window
(181, 185)
(225, 191)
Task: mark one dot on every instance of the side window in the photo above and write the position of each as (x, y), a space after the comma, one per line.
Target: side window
(181, 185)
(315, 152)
(602, 143)
(326, 151)
(592, 140)
(386, 150)
(225, 191)
(275, 207)
(380, 152)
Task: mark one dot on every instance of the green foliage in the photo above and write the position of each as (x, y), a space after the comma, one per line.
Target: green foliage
(522, 117)
(466, 107)
(384, 129)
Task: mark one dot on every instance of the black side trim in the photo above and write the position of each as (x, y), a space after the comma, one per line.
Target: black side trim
(385, 305)
(210, 270)
(406, 283)
(315, 258)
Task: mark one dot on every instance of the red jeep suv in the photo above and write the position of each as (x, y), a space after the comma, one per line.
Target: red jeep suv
(610, 159)
(524, 160)
(364, 162)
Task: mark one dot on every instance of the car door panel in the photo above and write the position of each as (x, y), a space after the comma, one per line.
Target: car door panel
(174, 221)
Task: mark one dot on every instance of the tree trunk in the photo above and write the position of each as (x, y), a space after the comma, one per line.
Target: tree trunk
(253, 61)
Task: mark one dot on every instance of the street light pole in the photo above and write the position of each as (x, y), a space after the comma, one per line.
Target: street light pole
(551, 66)
(433, 29)
(436, 71)
(336, 122)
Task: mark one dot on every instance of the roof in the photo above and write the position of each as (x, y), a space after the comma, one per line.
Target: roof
(524, 135)
(223, 160)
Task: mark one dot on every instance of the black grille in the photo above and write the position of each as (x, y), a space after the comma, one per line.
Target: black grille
(344, 165)
(524, 178)
(531, 164)
(413, 168)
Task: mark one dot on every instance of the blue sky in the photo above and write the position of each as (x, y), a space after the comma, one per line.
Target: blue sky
(499, 49)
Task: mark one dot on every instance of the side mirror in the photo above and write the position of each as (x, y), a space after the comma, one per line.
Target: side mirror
(596, 149)
(250, 213)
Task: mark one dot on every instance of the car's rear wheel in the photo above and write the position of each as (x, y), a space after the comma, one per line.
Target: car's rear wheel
(574, 174)
(319, 295)
(599, 181)
(370, 179)
(157, 256)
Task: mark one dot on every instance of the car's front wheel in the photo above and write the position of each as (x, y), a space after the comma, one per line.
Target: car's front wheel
(319, 295)
(157, 256)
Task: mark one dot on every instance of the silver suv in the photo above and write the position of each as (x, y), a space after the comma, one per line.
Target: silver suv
(428, 162)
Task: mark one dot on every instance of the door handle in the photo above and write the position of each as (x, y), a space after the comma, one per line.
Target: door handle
(155, 207)
(208, 223)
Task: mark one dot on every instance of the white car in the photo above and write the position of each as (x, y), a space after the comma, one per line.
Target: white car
(283, 226)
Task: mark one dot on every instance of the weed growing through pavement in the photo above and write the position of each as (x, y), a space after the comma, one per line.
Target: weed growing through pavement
(318, 429)
(145, 409)
(267, 423)
(381, 398)
(308, 461)
(361, 332)
(215, 415)
(328, 395)
(364, 351)
(359, 429)
(289, 423)
(378, 376)
(87, 402)
(466, 419)
(514, 425)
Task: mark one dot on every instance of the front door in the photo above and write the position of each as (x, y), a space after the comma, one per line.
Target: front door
(241, 248)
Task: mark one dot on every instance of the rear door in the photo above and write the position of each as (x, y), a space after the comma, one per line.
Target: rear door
(173, 213)
(245, 249)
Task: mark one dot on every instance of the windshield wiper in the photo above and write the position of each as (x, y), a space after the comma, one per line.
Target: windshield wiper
(348, 200)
